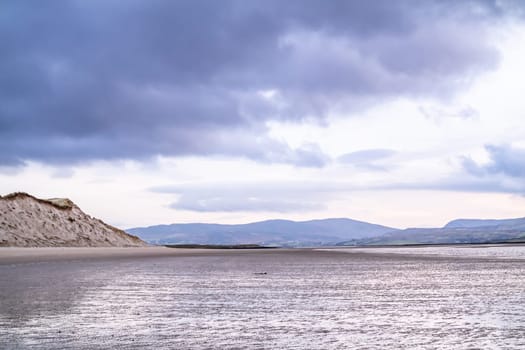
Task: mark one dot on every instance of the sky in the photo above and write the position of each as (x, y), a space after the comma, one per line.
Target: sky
(144, 112)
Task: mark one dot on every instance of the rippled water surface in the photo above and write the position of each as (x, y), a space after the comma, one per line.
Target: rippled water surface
(266, 300)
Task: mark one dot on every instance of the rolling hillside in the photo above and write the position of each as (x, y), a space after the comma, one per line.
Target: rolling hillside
(456, 231)
(271, 232)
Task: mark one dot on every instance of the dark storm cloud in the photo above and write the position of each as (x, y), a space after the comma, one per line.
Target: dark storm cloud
(503, 173)
(504, 160)
(85, 80)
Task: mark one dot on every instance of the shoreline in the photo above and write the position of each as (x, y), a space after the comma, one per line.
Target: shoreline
(22, 255)
(15, 255)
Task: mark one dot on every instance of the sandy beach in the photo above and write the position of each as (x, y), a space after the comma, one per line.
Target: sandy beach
(156, 297)
(13, 255)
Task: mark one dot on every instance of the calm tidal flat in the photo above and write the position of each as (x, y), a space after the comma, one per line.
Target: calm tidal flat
(380, 298)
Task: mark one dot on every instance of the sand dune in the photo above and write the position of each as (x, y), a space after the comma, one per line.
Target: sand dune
(27, 221)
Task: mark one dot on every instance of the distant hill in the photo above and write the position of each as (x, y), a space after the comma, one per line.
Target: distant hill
(27, 221)
(271, 232)
(456, 231)
(500, 224)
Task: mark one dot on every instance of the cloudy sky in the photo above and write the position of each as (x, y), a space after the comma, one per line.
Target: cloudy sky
(145, 112)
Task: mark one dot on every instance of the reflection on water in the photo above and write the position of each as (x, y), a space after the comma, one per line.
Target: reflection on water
(462, 251)
(306, 300)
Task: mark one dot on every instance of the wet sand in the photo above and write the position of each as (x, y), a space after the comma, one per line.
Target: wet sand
(13, 255)
(144, 298)
(16, 255)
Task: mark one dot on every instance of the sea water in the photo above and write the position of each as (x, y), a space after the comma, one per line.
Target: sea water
(297, 299)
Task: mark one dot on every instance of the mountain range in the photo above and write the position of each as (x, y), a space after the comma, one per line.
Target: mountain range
(271, 232)
(29, 221)
(456, 231)
(333, 232)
